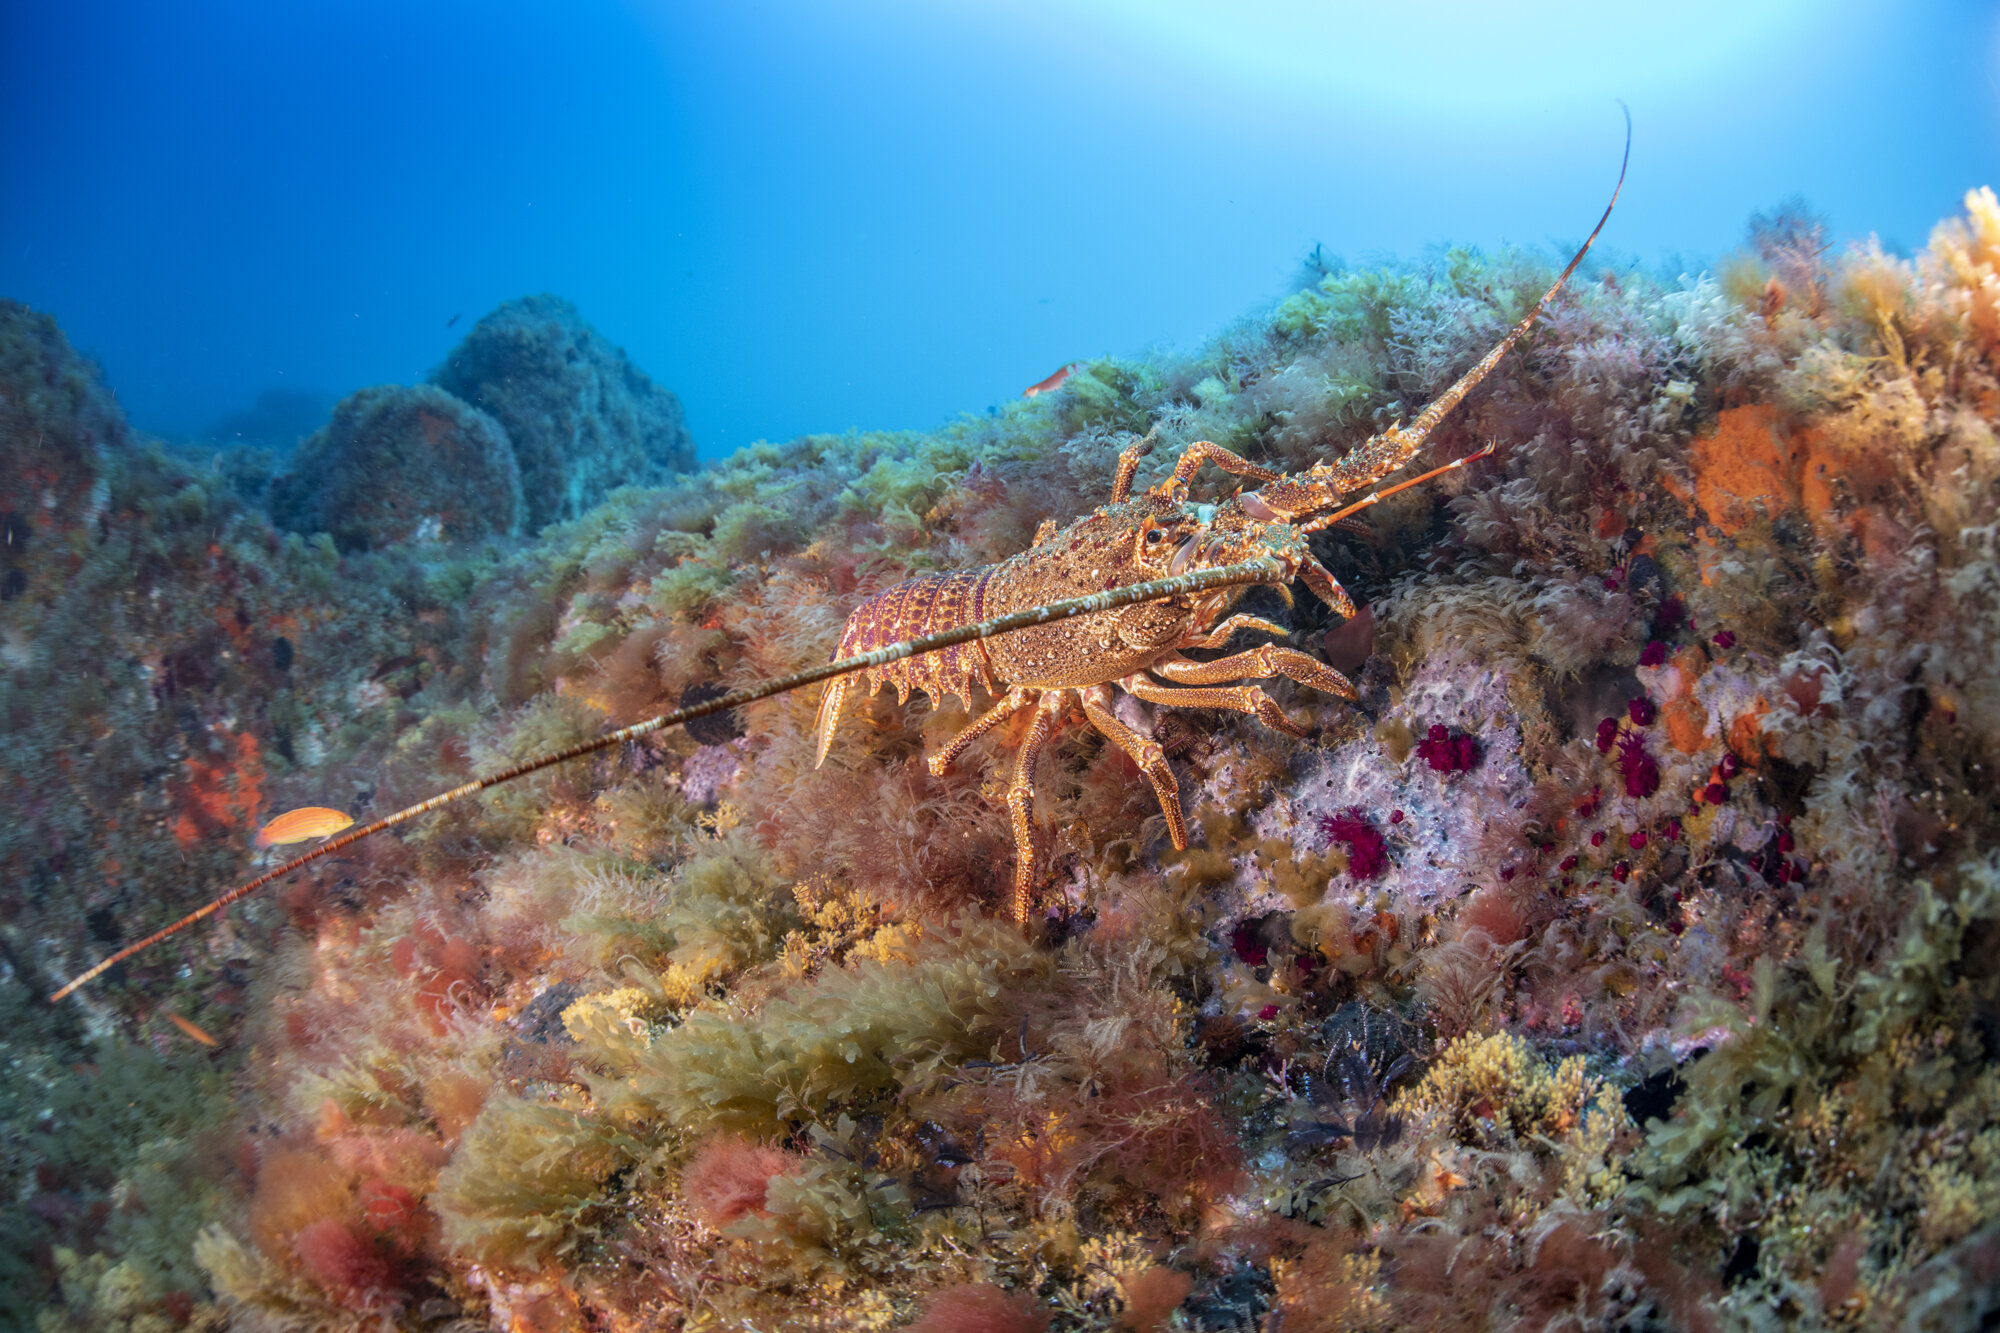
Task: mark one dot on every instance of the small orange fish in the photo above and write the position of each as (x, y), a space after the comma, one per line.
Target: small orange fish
(1051, 384)
(308, 821)
(192, 1029)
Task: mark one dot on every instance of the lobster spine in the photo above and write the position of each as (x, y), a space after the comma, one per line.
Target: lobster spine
(922, 605)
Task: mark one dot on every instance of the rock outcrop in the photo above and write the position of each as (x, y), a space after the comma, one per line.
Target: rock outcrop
(60, 432)
(583, 419)
(401, 463)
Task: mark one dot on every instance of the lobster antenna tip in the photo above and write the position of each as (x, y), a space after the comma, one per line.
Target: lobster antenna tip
(1419, 430)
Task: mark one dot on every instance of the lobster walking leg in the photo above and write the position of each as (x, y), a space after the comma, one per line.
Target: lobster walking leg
(1128, 466)
(1146, 753)
(1327, 588)
(1267, 659)
(1207, 451)
(1189, 463)
(940, 763)
(1229, 628)
(1021, 800)
(1236, 698)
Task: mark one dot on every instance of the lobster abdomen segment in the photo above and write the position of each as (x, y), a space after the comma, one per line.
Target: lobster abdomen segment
(922, 605)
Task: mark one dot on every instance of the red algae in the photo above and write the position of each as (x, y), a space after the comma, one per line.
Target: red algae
(1494, 914)
(1151, 1297)
(980, 1307)
(359, 1272)
(1249, 944)
(1448, 753)
(1804, 688)
(1639, 769)
(1367, 850)
(387, 1206)
(729, 1178)
(1350, 644)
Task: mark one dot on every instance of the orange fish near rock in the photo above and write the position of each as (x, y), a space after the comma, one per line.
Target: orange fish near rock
(193, 1029)
(308, 821)
(1051, 384)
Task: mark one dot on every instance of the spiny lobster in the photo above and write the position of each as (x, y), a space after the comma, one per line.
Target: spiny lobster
(1129, 588)
(1058, 670)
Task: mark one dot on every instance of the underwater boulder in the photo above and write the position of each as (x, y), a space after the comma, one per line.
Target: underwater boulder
(398, 463)
(61, 436)
(583, 419)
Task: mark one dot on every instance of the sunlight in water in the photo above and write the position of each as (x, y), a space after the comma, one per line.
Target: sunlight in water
(1451, 56)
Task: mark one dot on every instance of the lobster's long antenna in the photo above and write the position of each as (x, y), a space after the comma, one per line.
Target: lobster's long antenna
(1435, 411)
(1327, 521)
(1202, 580)
(1398, 444)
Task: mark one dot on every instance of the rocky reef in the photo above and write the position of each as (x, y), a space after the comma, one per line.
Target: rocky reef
(402, 464)
(534, 418)
(1626, 958)
(582, 418)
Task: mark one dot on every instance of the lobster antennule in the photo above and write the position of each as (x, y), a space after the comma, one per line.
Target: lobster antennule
(1325, 521)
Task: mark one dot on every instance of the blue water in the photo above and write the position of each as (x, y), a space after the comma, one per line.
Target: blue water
(811, 217)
